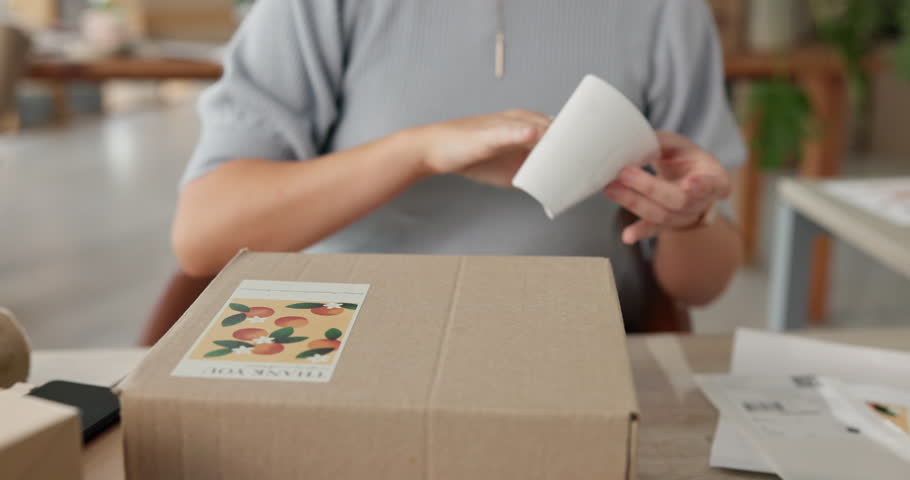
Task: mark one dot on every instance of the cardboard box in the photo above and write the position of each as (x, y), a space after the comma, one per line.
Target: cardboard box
(447, 368)
(39, 440)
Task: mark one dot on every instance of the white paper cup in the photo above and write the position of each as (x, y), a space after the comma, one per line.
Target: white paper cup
(597, 133)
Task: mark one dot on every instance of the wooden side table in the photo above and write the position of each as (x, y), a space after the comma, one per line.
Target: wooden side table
(805, 211)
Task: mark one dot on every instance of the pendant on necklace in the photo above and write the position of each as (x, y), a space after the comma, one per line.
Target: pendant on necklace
(500, 54)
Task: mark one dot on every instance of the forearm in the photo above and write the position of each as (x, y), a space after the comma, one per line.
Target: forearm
(695, 266)
(286, 206)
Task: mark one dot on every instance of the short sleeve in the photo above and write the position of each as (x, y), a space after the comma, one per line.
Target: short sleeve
(278, 97)
(687, 92)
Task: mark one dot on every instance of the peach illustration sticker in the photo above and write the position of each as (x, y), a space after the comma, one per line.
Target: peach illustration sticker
(286, 331)
(897, 416)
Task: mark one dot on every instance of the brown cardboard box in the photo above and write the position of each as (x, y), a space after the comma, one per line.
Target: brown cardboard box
(456, 368)
(39, 440)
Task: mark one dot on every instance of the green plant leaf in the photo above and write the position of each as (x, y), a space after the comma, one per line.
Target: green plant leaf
(783, 121)
(349, 306)
(231, 343)
(305, 305)
(901, 56)
(316, 351)
(290, 339)
(282, 332)
(239, 307)
(233, 320)
(218, 353)
(332, 334)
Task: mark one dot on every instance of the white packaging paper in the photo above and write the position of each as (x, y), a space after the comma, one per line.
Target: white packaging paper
(789, 421)
(882, 413)
(765, 353)
(597, 133)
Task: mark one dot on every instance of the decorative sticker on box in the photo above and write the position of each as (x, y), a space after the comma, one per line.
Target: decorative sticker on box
(284, 331)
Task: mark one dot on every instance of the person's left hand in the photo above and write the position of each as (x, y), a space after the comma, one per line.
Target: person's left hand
(689, 181)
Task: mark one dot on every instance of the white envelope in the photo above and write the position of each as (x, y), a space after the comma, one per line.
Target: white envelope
(788, 420)
(764, 353)
(597, 133)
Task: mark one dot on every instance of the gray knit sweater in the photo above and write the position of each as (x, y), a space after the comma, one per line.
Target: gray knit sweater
(306, 77)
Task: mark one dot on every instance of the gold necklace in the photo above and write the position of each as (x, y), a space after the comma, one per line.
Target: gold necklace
(500, 47)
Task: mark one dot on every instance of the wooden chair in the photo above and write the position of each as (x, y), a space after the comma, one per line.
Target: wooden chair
(181, 291)
(659, 313)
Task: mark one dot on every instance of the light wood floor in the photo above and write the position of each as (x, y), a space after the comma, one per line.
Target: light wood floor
(85, 213)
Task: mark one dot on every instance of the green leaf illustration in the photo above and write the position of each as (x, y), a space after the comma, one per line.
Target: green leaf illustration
(305, 305)
(349, 306)
(231, 343)
(282, 332)
(239, 307)
(218, 353)
(233, 320)
(316, 351)
(332, 334)
(290, 339)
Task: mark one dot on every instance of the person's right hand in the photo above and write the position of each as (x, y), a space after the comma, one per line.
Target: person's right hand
(487, 148)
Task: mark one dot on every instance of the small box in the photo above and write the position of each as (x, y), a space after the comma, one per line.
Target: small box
(39, 439)
(389, 366)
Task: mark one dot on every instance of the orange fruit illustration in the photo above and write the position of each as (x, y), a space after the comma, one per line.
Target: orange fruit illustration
(327, 311)
(324, 343)
(260, 312)
(268, 348)
(250, 333)
(295, 322)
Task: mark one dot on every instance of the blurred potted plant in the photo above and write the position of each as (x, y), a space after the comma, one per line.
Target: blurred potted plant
(854, 28)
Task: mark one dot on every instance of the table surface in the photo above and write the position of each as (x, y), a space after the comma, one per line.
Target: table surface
(677, 423)
(867, 232)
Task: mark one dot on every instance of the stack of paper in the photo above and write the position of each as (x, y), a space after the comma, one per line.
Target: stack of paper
(807, 409)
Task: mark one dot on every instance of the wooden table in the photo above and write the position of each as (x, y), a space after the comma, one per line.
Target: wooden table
(819, 70)
(677, 421)
(805, 212)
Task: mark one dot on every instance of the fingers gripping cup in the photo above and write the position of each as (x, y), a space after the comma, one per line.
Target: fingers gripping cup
(14, 351)
(597, 133)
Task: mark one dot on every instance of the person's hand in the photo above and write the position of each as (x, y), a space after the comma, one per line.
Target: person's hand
(487, 148)
(689, 181)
